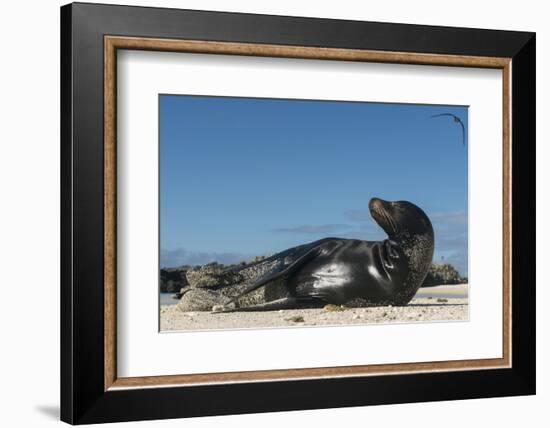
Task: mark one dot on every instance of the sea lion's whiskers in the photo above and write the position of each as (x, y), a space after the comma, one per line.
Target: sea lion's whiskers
(390, 220)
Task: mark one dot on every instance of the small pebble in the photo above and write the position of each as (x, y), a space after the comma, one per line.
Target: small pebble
(334, 308)
(295, 318)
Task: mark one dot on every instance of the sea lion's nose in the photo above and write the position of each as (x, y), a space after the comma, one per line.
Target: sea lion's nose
(375, 203)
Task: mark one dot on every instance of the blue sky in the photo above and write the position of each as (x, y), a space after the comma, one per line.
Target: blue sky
(241, 177)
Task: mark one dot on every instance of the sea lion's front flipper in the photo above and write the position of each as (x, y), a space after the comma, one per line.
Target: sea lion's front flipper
(284, 303)
(290, 269)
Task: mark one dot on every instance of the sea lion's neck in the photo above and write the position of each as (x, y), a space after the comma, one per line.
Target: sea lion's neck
(418, 250)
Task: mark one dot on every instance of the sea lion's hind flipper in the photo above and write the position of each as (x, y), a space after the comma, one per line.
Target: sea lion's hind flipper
(291, 268)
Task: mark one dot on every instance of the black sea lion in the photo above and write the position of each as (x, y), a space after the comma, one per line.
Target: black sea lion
(340, 271)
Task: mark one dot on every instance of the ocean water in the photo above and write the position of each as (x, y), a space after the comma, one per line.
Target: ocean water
(166, 299)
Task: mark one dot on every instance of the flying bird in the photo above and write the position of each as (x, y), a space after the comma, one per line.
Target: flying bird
(457, 120)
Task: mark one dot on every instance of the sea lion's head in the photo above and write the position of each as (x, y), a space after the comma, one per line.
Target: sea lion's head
(401, 220)
(410, 231)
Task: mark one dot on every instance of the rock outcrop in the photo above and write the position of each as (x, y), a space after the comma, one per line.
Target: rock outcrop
(172, 280)
(443, 274)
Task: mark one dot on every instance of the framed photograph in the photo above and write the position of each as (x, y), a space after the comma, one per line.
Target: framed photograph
(265, 213)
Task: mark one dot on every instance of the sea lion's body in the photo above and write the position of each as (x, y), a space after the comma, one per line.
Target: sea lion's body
(340, 271)
(344, 270)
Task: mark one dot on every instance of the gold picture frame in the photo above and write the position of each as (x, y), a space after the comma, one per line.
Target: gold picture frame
(113, 43)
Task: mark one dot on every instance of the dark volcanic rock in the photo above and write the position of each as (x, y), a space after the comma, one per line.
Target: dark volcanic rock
(442, 274)
(173, 280)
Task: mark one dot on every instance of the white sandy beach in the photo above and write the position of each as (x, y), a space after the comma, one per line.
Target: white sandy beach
(442, 303)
